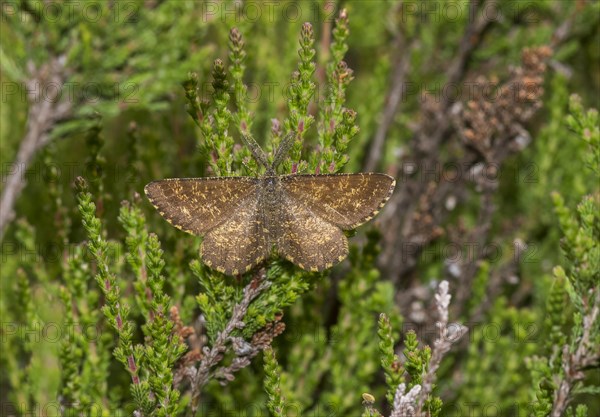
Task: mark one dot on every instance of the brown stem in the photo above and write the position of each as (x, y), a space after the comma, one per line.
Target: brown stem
(477, 238)
(320, 73)
(435, 128)
(213, 356)
(401, 66)
(574, 364)
(45, 110)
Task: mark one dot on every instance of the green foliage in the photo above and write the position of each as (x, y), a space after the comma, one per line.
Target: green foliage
(569, 354)
(84, 361)
(83, 32)
(586, 126)
(416, 365)
(555, 317)
(338, 124)
(115, 312)
(276, 403)
(20, 364)
(362, 296)
(417, 359)
(165, 347)
(149, 365)
(498, 347)
(580, 245)
(302, 89)
(140, 315)
(389, 360)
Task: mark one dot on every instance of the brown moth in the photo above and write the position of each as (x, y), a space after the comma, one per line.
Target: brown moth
(246, 219)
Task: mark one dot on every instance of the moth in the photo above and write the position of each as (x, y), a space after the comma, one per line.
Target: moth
(245, 220)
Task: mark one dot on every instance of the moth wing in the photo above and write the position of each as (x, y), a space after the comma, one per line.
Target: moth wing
(237, 244)
(308, 240)
(196, 205)
(345, 200)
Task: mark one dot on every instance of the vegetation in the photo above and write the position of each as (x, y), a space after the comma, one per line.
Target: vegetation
(474, 292)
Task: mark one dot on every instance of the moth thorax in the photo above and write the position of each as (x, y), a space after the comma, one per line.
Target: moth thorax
(271, 193)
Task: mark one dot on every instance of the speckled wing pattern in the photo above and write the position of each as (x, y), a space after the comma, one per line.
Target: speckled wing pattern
(309, 241)
(242, 221)
(239, 243)
(345, 200)
(320, 206)
(197, 205)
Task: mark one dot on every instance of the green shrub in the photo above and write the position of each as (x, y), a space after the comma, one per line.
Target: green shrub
(474, 292)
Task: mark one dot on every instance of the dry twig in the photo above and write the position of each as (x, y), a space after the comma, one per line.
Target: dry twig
(45, 110)
(448, 335)
(573, 364)
(406, 209)
(212, 356)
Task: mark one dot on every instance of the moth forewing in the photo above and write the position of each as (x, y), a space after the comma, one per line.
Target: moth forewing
(345, 200)
(196, 205)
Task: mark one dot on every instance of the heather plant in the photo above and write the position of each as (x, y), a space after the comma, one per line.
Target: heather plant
(474, 292)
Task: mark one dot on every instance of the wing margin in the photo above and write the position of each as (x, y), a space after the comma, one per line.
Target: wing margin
(345, 200)
(197, 205)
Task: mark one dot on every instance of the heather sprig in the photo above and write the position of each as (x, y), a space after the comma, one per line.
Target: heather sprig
(275, 403)
(339, 46)
(555, 320)
(301, 90)
(70, 356)
(337, 124)
(190, 87)
(221, 141)
(389, 360)
(115, 311)
(85, 349)
(133, 222)
(214, 126)
(417, 359)
(163, 347)
(242, 116)
(237, 56)
(302, 86)
(586, 125)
